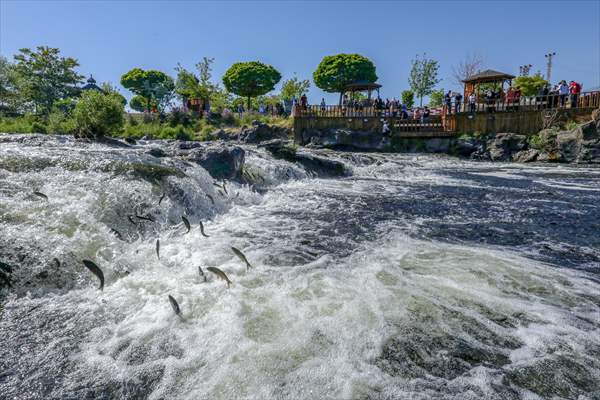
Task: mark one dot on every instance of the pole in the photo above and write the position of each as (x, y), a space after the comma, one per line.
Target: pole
(549, 65)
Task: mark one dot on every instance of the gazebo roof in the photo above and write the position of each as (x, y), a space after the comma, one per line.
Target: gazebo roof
(360, 86)
(489, 75)
(91, 85)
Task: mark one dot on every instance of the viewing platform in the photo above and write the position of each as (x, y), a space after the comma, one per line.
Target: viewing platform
(528, 115)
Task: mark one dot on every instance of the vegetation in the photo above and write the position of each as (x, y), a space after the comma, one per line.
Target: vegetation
(471, 65)
(335, 72)
(423, 76)
(408, 98)
(38, 79)
(155, 87)
(251, 79)
(98, 114)
(436, 98)
(294, 88)
(530, 85)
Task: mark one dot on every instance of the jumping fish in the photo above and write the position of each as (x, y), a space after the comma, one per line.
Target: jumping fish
(224, 188)
(241, 256)
(221, 193)
(220, 274)
(116, 233)
(56, 262)
(211, 199)
(94, 269)
(145, 217)
(42, 195)
(175, 306)
(186, 223)
(130, 218)
(158, 249)
(161, 198)
(202, 230)
(201, 273)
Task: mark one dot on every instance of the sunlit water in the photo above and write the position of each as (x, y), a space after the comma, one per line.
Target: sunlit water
(416, 277)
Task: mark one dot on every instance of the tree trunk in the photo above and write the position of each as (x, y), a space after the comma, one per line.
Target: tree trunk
(421, 102)
(341, 99)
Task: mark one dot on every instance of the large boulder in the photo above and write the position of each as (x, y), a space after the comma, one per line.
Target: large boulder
(347, 138)
(222, 161)
(502, 146)
(525, 156)
(260, 132)
(316, 163)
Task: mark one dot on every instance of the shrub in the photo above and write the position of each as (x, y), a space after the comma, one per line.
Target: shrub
(60, 123)
(96, 114)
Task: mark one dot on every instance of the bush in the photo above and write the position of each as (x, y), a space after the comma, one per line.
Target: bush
(60, 123)
(97, 115)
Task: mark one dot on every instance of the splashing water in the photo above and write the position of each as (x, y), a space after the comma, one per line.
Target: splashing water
(417, 277)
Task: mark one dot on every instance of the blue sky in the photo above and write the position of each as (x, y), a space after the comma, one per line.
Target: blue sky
(111, 37)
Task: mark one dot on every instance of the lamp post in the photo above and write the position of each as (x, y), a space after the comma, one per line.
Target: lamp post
(524, 69)
(549, 65)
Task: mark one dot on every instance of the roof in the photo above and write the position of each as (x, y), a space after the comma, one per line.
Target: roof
(360, 86)
(489, 75)
(91, 85)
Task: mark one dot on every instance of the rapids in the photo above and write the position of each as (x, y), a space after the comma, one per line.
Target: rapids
(415, 277)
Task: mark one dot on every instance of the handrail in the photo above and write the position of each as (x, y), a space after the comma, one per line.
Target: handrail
(522, 103)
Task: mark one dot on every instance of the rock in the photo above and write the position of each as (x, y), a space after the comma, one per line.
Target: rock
(260, 132)
(320, 165)
(503, 145)
(220, 160)
(346, 138)
(130, 140)
(525, 156)
(568, 143)
(466, 147)
(186, 145)
(437, 145)
(157, 152)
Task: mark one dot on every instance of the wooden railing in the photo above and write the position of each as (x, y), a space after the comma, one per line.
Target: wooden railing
(533, 103)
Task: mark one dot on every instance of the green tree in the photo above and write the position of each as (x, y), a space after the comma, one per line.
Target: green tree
(140, 104)
(436, 98)
(251, 79)
(335, 72)
(43, 77)
(294, 88)
(155, 87)
(530, 85)
(423, 76)
(9, 99)
(408, 98)
(108, 88)
(97, 114)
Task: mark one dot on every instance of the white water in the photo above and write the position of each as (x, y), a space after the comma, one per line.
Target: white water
(335, 278)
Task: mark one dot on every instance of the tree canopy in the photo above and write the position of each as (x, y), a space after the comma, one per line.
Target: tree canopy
(335, 72)
(423, 76)
(436, 98)
(251, 79)
(98, 114)
(530, 85)
(408, 98)
(294, 88)
(42, 77)
(155, 87)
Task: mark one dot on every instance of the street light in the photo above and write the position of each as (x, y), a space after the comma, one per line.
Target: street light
(549, 65)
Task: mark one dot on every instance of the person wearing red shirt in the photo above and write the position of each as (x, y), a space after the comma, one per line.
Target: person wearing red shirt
(574, 89)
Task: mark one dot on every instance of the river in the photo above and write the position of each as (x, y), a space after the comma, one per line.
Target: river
(414, 277)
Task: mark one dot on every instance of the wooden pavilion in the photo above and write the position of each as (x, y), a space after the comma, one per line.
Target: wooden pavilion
(473, 82)
(368, 87)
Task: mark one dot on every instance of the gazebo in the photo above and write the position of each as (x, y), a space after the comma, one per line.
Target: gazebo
(473, 82)
(91, 85)
(368, 87)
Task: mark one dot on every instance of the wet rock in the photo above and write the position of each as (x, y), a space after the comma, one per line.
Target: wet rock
(222, 161)
(437, 145)
(187, 145)
(260, 132)
(503, 145)
(157, 152)
(347, 138)
(525, 156)
(466, 147)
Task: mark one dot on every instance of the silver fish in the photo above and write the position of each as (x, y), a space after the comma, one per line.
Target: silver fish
(161, 198)
(220, 274)
(42, 195)
(145, 217)
(224, 188)
(130, 218)
(241, 256)
(94, 269)
(175, 306)
(116, 233)
(202, 230)
(211, 198)
(201, 273)
(186, 223)
(158, 249)
(56, 262)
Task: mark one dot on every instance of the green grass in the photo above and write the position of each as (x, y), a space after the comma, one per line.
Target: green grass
(135, 127)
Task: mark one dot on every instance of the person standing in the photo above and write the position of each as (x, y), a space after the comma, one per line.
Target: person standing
(563, 91)
(448, 101)
(575, 89)
(304, 102)
(457, 101)
(425, 115)
(240, 110)
(472, 102)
